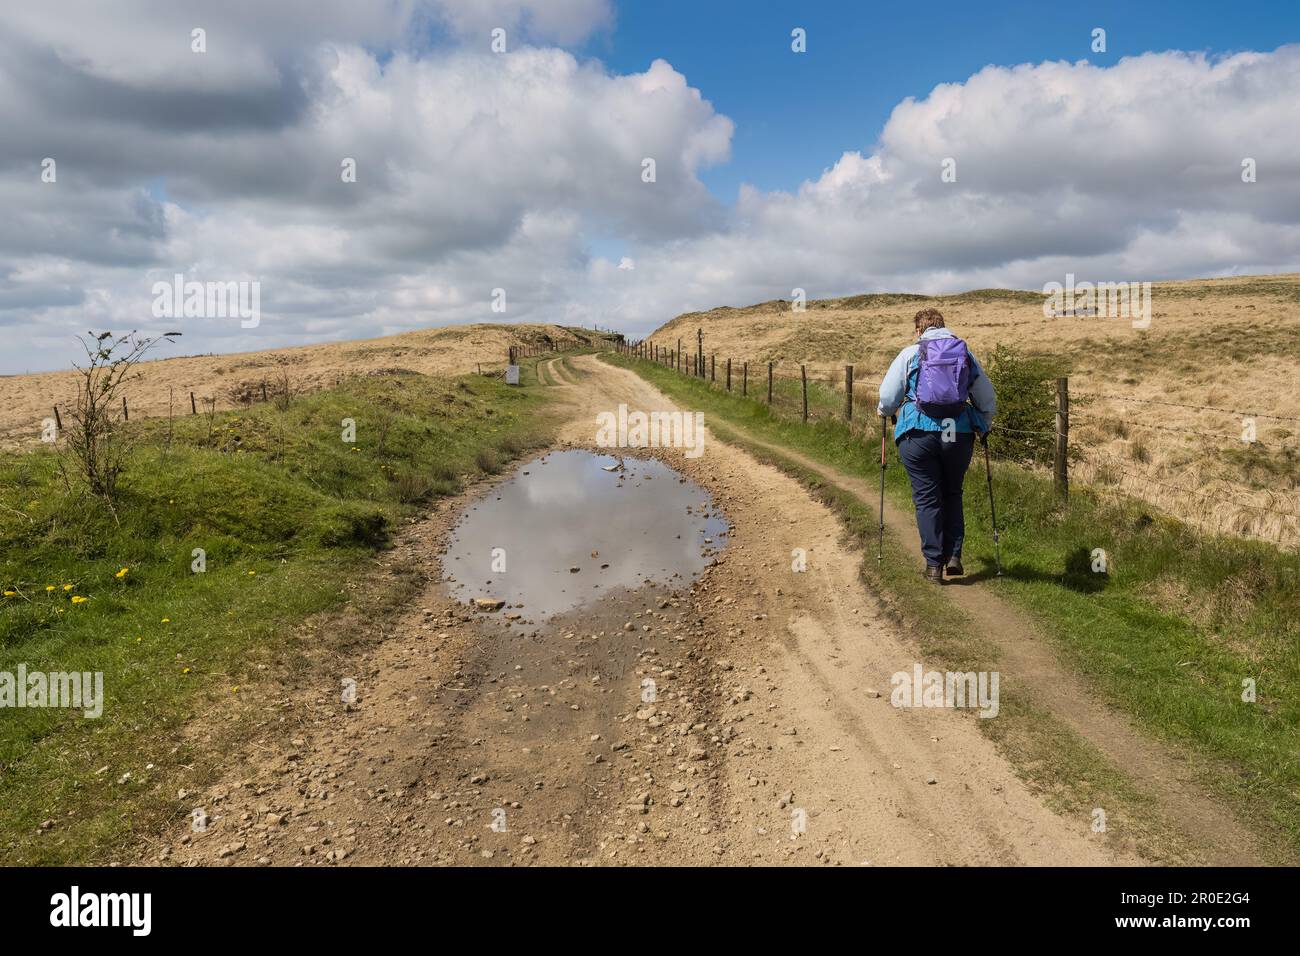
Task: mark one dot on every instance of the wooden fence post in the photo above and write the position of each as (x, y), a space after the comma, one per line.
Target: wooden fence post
(769, 383)
(848, 393)
(728, 374)
(126, 416)
(194, 409)
(803, 374)
(1062, 438)
(713, 367)
(58, 419)
(744, 381)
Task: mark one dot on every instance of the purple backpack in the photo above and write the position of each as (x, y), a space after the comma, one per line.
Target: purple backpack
(943, 377)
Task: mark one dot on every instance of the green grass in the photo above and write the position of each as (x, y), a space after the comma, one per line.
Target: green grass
(288, 515)
(1168, 634)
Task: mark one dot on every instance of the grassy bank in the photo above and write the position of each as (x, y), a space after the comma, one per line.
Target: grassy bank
(287, 514)
(1168, 633)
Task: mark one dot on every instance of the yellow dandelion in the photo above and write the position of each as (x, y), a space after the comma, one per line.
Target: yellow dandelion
(10, 593)
(67, 587)
(78, 599)
(166, 620)
(122, 573)
(235, 689)
(49, 587)
(251, 573)
(185, 670)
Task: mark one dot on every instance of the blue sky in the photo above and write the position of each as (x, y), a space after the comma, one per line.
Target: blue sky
(796, 114)
(522, 171)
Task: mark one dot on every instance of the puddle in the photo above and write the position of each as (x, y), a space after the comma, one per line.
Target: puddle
(646, 524)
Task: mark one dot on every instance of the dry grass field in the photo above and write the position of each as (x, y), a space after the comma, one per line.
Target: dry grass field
(1229, 346)
(26, 400)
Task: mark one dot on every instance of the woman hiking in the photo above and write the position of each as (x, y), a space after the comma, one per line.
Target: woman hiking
(942, 399)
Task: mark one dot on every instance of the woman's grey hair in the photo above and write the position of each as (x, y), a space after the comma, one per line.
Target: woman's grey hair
(928, 319)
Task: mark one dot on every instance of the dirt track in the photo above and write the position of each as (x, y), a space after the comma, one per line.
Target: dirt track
(772, 740)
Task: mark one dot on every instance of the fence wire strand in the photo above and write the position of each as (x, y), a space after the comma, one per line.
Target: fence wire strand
(1204, 408)
(758, 386)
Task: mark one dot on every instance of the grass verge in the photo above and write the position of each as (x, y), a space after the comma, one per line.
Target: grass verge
(230, 530)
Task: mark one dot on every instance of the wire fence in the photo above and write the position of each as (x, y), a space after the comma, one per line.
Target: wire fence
(814, 397)
(1205, 408)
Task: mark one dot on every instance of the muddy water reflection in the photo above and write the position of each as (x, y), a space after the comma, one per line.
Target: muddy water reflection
(564, 530)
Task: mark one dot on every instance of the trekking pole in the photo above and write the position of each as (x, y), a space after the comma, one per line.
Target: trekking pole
(880, 547)
(988, 470)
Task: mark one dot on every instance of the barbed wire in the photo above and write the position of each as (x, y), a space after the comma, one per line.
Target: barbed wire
(1174, 429)
(1134, 424)
(1206, 408)
(1023, 431)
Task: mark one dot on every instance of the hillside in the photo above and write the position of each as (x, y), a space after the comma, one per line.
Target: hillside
(25, 400)
(1228, 346)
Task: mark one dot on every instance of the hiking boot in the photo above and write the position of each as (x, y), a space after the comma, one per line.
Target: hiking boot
(934, 572)
(954, 568)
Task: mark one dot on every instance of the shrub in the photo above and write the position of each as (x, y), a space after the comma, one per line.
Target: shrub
(96, 449)
(1025, 426)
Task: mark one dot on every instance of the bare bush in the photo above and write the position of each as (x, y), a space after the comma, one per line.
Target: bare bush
(284, 390)
(210, 415)
(96, 445)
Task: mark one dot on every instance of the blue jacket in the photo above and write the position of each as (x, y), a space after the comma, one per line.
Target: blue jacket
(898, 390)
